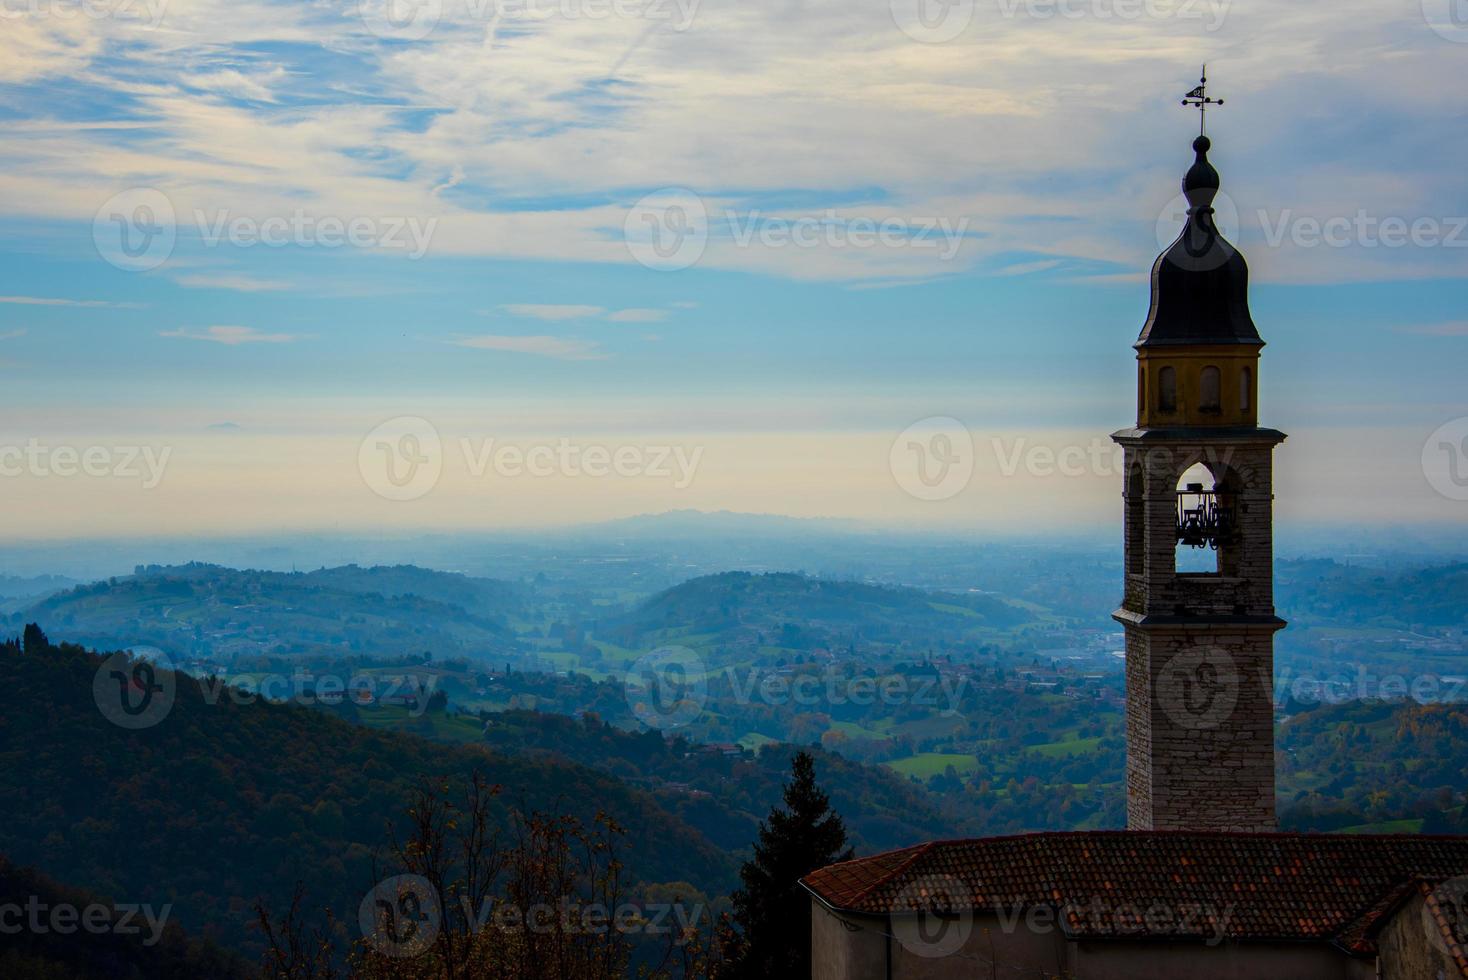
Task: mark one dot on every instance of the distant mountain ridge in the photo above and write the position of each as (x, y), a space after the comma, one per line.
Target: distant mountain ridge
(217, 613)
(700, 523)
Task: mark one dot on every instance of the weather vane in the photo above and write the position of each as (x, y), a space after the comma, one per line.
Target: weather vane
(1199, 97)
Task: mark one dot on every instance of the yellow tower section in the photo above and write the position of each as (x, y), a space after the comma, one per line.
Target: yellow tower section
(1198, 386)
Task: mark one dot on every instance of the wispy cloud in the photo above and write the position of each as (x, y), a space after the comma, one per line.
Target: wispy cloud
(638, 316)
(1025, 268)
(555, 313)
(560, 348)
(1028, 131)
(255, 87)
(56, 301)
(12, 334)
(231, 335)
(239, 284)
(550, 312)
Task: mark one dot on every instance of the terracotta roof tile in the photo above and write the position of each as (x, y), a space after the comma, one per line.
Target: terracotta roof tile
(1449, 922)
(1323, 887)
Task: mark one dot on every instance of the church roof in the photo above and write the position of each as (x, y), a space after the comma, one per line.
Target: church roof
(1106, 884)
(1200, 284)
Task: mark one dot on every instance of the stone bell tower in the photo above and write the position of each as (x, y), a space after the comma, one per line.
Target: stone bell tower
(1199, 644)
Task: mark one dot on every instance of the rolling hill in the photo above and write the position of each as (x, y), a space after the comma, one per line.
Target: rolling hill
(742, 613)
(219, 614)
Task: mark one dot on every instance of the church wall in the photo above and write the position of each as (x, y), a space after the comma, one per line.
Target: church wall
(1026, 947)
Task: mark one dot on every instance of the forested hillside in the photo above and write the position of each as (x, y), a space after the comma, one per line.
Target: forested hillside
(221, 803)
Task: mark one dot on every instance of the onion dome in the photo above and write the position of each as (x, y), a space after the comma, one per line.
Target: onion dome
(1200, 284)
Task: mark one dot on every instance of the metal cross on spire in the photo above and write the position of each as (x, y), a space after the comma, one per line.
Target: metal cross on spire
(1198, 98)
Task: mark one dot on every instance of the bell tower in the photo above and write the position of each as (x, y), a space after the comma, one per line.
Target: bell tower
(1198, 607)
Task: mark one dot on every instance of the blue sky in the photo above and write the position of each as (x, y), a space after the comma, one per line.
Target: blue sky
(1024, 169)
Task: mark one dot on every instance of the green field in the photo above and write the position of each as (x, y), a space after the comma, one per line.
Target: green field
(928, 764)
(1074, 746)
(852, 730)
(753, 740)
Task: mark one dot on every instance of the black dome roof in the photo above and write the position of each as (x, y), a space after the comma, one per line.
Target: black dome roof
(1200, 285)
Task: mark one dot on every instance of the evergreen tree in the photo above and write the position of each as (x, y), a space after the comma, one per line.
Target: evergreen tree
(34, 642)
(772, 910)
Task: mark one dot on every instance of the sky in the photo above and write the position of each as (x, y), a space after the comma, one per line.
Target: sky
(427, 264)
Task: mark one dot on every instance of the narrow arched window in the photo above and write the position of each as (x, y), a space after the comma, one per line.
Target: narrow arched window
(1208, 385)
(1167, 390)
(1246, 387)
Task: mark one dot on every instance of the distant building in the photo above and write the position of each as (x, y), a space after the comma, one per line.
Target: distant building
(1201, 885)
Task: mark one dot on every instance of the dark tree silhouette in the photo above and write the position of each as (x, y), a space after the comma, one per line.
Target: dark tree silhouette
(771, 910)
(34, 642)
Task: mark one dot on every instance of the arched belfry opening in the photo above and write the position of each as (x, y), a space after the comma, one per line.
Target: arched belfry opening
(1136, 519)
(1197, 523)
(1208, 539)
